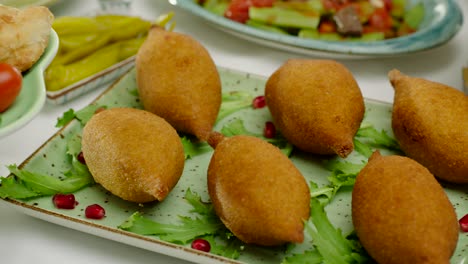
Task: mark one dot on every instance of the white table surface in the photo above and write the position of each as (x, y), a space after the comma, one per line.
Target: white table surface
(24, 239)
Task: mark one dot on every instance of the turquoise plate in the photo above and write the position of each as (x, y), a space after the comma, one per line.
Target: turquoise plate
(443, 19)
(33, 92)
(51, 159)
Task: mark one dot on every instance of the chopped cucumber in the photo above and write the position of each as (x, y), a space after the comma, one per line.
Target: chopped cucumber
(216, 7)
(415, 15)
(284, 17)
(314, 34)
(398, 8)
(263, 26)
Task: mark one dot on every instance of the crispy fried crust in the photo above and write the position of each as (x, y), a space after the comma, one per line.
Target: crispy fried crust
(24, 35)
(257, 191)
(178, 80)
(430, 121)
(316, 104)
(401, 214)
(133, 153)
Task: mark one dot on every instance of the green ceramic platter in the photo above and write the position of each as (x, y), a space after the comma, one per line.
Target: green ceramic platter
(51, 159)
(33, 92)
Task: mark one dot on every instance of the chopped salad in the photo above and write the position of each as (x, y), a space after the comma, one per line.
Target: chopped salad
(335, 20)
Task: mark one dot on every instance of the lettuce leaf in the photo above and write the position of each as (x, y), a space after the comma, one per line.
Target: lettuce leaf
(206, 224)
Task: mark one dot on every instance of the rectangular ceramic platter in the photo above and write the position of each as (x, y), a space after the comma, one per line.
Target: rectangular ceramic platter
(50, 159)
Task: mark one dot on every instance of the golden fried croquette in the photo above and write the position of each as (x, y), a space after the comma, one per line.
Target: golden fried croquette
(401, 213)
(178, 80)
(257, 192)
(133, 153)
(430, 121)
(316, 104)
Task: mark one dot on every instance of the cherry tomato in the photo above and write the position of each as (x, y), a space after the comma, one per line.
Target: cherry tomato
(238, 10)
(10, 85)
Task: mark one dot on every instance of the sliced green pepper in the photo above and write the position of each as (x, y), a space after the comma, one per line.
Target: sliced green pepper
(124, 27)
(82, 51)
(130, 47)
(60, 76)
(72, 42)
(112, 38)
(112, 20)
(75, 25)
(131, 29)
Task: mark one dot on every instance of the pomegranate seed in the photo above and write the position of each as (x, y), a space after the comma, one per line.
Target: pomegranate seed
(464, 223)
(64, 201)
(80, 158)
(270, 130)
(95, 211)
(259, 102)
(201, 244)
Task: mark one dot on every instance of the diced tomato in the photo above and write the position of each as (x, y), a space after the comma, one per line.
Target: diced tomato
(388, 4)
(380, 20)
(335, 5)
(238, 10)
(327, 27)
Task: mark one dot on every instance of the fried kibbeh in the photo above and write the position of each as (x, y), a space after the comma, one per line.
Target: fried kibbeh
(316, 104)
(133, 153)
(401, 214)
(178, 80)
(257, 192)
(430, 121)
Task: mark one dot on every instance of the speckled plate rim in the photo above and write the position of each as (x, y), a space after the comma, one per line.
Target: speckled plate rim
(444, 22)
(35, 87)
(119, 235)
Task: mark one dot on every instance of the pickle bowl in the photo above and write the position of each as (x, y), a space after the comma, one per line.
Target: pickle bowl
(93, 82)
(32, 96)
(103, 76)
(115, 6)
